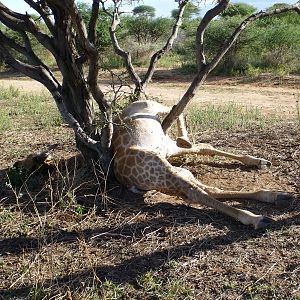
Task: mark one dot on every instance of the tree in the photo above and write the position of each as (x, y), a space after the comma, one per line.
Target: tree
(102, 27)
(73, 46)
(144, 11)
(143, 35)
(190, 11)
(146, 30)
(238, 9)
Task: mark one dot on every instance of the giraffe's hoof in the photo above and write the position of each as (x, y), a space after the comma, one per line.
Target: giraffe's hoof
(283, 199)
(258, 162)
(183, 142)
(264, 222)
(263, 163)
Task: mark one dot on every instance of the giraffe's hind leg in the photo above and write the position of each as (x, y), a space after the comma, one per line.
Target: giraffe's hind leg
(272, 197)
(152, 171)
(206, 149)
(278, 198)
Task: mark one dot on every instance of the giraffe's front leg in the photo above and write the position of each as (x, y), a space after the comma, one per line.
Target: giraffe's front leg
(182, 140)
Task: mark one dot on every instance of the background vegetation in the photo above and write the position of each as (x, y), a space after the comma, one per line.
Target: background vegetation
(269, 45)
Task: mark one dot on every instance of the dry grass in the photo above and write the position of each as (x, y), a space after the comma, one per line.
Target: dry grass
(68, 235)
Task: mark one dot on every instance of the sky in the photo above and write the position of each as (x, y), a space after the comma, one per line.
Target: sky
(163, 7)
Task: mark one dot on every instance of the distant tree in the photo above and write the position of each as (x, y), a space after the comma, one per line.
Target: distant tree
(243, 50)
(277, 5)
(144, 11)
(190, 11)
(238, 9)
(145, 30)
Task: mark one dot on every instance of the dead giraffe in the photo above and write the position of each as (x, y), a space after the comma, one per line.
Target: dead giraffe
(141, 149)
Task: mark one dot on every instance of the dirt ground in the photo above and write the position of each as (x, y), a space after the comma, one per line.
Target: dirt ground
(268, 93)
(125, 246)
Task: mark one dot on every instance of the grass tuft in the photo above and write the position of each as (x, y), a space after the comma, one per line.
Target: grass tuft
(8, 93)
(5, 121)
(228, 116)
(27, 110)
(169, 288)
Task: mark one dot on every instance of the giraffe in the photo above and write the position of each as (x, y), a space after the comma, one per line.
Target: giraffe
(141, 153)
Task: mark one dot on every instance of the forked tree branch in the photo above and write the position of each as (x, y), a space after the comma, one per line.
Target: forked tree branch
(126, 56)
(168, 46)
(25, 51)
(205, 69)
(20, 22)
(212, 13)
(9, 42)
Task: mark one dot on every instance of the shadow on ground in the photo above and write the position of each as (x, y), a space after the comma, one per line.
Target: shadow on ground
(129, 268)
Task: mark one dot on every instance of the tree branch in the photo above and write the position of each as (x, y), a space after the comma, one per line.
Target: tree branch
(25, 51)
(119, 51)
(92, 53)
(204, 70)
(167, 47)
(44, 11)
(212, 13)
(20, 22)
(5, 40)
(74, 124)
(262, 14)
(93, 22)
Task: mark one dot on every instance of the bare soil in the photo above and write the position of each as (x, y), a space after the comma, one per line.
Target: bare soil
(48, 248)
(266, 92)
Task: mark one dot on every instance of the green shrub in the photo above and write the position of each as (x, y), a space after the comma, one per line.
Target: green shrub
(269, 44)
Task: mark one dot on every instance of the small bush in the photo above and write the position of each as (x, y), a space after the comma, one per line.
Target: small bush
(188, 68)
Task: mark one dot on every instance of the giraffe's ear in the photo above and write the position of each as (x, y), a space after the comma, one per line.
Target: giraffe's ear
(17, 164)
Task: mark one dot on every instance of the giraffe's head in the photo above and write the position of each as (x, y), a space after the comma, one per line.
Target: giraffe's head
(35, 162)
